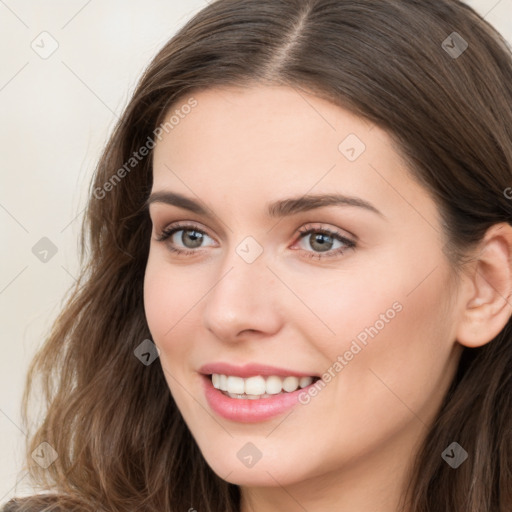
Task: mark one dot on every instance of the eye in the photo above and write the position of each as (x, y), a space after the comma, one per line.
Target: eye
(191, 237)
(323, 240)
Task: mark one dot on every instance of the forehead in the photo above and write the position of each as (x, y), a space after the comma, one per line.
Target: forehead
(276, 141)
(263, 120)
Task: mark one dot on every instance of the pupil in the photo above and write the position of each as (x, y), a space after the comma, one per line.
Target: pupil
(320, 239)
(196, 238)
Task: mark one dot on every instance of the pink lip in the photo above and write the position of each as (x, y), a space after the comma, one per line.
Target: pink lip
(249, 411)
(250, 370)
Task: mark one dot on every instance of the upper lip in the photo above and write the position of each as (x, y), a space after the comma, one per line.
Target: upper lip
(249, 370)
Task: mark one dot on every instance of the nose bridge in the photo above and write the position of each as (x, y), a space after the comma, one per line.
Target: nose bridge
(243, 266)
(242, 298)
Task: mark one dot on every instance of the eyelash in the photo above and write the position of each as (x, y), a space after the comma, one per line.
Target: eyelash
(349, 244)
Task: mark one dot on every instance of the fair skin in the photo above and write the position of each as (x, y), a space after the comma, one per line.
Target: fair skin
(350, 448)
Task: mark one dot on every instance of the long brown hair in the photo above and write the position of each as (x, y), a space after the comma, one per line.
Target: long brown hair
(446, 101)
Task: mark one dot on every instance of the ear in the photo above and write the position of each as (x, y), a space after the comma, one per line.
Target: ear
(487, 303)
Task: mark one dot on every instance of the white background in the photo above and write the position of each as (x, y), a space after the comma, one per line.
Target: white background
(56, 114)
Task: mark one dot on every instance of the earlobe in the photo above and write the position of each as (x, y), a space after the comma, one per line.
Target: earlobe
(488, 305)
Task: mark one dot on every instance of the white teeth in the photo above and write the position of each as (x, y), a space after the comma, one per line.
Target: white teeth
(274, 385)
(305, 381)
(235, 385)
(255, 386)
(290, 384)
(223, 382)
(258, 386)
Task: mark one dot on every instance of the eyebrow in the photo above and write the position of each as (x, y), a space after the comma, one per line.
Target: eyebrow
(277, 209)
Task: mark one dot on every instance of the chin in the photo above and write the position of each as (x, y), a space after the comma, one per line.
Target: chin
(264, 473)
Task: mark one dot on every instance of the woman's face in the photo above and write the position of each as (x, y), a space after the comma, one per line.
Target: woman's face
(276, 283)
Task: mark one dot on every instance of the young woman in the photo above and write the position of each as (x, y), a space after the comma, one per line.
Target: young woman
(297, 287)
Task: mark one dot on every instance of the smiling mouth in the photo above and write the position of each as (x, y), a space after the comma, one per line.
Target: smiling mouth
(253, 388)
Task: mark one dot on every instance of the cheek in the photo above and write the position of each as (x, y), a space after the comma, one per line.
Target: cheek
(394, 333)
(168, 298)
(406, 363)
(169, 294)
(157, 298)
(339, 306)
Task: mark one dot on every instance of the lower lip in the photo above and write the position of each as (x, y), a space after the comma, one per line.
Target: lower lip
(245, 410)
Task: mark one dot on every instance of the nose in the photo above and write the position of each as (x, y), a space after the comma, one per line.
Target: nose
(243, 300)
